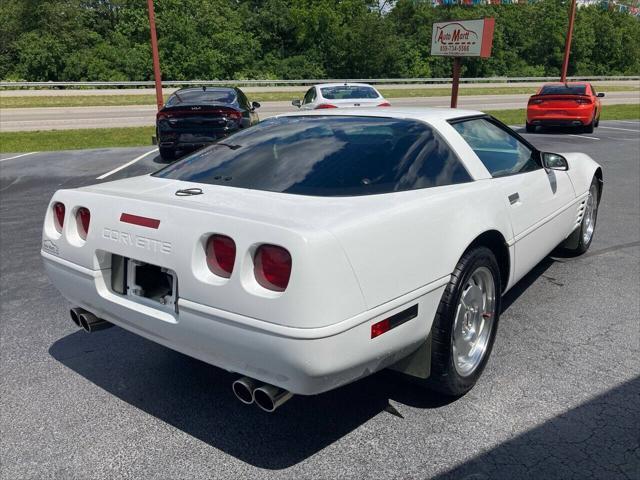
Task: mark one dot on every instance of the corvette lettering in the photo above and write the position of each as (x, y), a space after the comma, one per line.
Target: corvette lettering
(139, 241)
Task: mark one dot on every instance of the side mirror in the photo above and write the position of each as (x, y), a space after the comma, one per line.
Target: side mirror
(255, 104)
(296, 103)
(553, 161)
(601, 95)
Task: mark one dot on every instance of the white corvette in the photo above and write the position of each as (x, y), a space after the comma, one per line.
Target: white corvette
(317, 248)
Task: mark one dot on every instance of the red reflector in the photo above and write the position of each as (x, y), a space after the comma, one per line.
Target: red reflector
(535, 102)
(83, 217)
(272, 267)
(325, 105)
(221, 255)
(381, 327)
(384, 104)
(58, 212)
(141, 221)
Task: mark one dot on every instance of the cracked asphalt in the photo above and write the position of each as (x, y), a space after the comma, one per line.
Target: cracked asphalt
(560, 398)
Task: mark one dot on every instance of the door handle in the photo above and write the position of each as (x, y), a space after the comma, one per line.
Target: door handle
(514, 198)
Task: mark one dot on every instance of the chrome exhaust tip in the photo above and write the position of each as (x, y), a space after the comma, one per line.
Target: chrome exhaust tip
(90, 323)
(269, 397)
(243, 389)
(75, 315)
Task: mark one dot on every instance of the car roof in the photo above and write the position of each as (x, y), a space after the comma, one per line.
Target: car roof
(344, 84)
(564, 83)
(206, 89)
(424, 114)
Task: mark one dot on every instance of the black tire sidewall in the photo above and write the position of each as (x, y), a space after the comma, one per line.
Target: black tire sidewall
(444, 376)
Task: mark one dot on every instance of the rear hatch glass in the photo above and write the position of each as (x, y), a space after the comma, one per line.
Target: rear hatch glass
(326, 156)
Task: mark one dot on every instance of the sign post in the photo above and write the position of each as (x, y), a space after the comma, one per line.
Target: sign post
(156, 58)
(463, 38)
(567, 44)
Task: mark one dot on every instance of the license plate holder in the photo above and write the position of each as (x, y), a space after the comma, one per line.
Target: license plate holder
(151, 284)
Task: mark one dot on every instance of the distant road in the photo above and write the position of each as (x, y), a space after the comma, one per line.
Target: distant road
(63, 118)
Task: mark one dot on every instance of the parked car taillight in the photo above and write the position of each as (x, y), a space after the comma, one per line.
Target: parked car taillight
(83, 218)
(234, 114)
(221, 255)
(384, 104)
(583, 101)
(272, 267)
(535, 101)
(58, 216)
(325, 105)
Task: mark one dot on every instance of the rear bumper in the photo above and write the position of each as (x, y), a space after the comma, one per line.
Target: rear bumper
(571, 117)
(304, 361)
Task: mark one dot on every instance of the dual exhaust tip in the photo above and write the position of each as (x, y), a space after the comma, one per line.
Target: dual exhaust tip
(88, 321)
(267, 397)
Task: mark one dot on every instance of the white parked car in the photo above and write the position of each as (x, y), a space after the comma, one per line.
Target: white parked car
(341, 95)
(316, 248)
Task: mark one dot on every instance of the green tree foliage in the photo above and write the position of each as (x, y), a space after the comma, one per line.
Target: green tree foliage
(41, 40)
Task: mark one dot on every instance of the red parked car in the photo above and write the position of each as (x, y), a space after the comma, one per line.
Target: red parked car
(572, 104)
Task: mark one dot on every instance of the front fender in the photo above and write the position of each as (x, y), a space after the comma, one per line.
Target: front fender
(582, 169)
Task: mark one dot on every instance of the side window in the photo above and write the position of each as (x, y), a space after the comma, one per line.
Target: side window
(310, 96)
(243, 100)
(501, 152)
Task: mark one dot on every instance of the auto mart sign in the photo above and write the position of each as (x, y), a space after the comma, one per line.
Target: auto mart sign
(463, 38)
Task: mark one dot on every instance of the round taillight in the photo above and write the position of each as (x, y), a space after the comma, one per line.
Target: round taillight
(221, 255)
(272, 267)
(58, 216)
(83, 218)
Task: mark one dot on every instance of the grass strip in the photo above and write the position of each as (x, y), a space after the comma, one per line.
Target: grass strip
(122, 100)
(42, 141)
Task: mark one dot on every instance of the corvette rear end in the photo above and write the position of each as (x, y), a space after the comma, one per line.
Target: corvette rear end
(233, 283)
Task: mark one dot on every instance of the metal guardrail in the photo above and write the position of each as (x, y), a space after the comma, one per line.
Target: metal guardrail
(176, 83)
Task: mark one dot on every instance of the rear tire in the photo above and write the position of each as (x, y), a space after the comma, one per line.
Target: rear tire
(167, 154)
(580, 240)
(597, 124)
(465, 324)
(530, 128)
(589, 128)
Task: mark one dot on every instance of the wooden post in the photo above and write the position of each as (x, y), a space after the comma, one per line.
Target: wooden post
(567, 44)
(456, 82)
(156, 58)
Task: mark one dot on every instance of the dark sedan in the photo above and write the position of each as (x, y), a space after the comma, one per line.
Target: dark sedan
(195, 117)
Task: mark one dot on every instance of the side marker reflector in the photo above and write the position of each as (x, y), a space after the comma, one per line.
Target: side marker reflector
(383, 326)
(140, 221)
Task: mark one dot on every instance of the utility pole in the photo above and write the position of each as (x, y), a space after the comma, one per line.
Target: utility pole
(156, 58)
(567, 45)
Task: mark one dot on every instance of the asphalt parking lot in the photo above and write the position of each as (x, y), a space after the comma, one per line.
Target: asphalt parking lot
(560, 397)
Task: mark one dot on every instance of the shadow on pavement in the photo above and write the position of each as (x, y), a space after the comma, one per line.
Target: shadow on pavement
(197, 398)
(596, 440)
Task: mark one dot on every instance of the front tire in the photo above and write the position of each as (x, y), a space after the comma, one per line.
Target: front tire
(465, 324)
(580, 240)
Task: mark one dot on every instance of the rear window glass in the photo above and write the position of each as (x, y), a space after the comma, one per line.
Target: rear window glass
(345, 92)
(202, 96)
(326, 156)
(563, 90)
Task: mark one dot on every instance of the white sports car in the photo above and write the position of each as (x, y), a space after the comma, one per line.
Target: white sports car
(317, 248)
(340, 95)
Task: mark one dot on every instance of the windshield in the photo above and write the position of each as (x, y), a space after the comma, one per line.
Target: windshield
(202, 96)
(563, 90)
(346, 92)
(326, 156)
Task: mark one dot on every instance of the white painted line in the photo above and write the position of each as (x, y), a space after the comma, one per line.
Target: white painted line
(625, 129)
(17, 156)
(122, 167)
(635, 122)
(583, 136)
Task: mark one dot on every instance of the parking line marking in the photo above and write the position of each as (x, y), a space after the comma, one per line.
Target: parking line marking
(627, 121)
(583, 136)
(625, 129)
(16, 156)
(121, 167)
